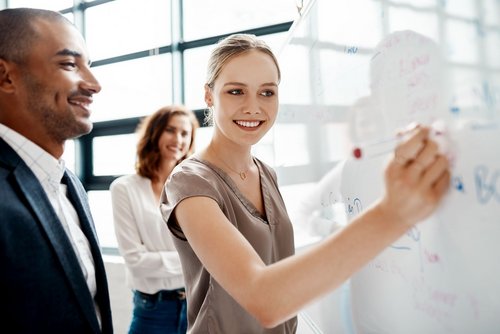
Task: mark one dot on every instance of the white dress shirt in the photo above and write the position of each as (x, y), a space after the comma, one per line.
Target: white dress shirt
(49, 171)
(152, 262)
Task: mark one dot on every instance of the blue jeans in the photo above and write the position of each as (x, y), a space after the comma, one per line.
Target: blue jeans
(158, 316)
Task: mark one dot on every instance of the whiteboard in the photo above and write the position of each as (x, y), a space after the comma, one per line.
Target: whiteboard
(352, 73)
(442, 276)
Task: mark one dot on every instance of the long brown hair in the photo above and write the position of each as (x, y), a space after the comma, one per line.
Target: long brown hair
(150, 130)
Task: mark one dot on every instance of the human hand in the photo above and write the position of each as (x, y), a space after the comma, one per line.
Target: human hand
(416, 178)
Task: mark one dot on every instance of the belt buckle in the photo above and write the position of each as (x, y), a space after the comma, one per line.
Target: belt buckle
(181, 295)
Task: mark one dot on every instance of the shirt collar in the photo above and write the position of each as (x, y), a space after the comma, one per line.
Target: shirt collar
(47, 169)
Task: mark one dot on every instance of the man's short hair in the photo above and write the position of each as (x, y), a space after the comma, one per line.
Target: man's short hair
(17, 34)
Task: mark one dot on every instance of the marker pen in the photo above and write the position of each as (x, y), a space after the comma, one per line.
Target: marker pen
(388, 145)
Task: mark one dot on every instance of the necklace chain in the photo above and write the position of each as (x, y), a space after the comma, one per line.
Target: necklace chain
(242, 174)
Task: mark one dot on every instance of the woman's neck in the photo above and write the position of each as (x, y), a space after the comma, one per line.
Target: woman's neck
(237, 157)
(234, 159)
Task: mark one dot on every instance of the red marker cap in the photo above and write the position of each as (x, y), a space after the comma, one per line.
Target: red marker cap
(357, 153)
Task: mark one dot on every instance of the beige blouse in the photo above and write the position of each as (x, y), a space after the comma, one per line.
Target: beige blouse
(210, 308)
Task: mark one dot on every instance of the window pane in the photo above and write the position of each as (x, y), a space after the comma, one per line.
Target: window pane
(493, 97)
(275, 41)
(203, 136)
(291, 144)
(336, 77)
(133, 88)
(469, 92)
(340, 78)
(463, 8)
(336, 145)
(292, 90)
(126, 26)
(102, 213)
(462, 41)
(422, 22)
(217, 17)
(195, 68)
(491, 11)
(343, 23)
(492, 49)
(52, 5)
(264, 149)
(114, 155)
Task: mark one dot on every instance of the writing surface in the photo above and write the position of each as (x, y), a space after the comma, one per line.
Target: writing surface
(442, 276)
(352, 74)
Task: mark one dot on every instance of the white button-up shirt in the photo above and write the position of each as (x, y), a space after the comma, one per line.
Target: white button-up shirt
(49, 171)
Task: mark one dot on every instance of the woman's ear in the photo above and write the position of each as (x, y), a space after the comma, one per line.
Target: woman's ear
(208, 96)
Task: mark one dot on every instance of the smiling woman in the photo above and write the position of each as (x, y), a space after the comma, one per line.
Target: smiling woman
(152, 265)
(230, 224)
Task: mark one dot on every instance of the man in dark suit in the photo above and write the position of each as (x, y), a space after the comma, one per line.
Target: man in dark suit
(52, 275)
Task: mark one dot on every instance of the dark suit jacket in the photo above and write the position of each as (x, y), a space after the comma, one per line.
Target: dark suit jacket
(42, 287)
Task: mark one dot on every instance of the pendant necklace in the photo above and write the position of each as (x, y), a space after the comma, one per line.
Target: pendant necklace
(242, 174)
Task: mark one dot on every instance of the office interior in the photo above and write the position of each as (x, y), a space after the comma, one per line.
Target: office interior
(151, 53)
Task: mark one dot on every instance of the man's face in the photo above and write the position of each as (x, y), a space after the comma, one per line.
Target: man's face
(57, 85)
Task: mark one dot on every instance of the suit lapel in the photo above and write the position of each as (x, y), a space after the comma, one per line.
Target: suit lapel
(50, 223)
(78, 198)
(47, 218)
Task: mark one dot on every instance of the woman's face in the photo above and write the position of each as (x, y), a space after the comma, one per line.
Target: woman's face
(175, 140)
(245, 97)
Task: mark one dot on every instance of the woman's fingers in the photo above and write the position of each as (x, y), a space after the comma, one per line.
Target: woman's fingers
(442, 185)
(428, 154)
(416, 178)
(425, 158)
(409, 149)
(434, 172)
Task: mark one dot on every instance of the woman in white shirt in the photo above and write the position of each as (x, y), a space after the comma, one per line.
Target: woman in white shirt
(153, 268)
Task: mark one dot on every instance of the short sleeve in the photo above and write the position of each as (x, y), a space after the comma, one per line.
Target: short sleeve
(184, 183)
